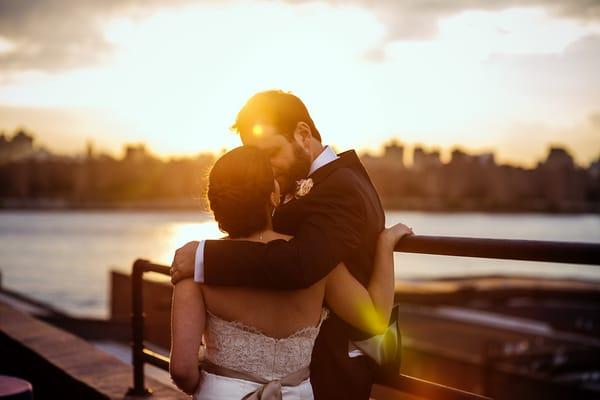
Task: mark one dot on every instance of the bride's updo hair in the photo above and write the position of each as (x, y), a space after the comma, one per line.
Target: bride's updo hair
(239, 189)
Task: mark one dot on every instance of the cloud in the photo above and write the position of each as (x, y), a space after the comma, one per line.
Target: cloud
(58, 34)
(61, 34)
(594, 120)
(555, 80)
(418, 20)
(49, 34)
(407, 19)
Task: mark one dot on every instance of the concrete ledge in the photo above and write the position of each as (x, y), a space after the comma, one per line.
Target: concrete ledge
(61, 365)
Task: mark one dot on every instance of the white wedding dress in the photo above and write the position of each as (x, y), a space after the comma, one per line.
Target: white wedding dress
(233, 346)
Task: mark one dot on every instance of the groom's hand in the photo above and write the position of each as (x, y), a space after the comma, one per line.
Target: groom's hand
(183, 263)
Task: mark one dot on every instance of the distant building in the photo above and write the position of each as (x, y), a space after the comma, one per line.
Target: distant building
(595, 169)
(486, 159)
(562, 182)
(19, 146)
(459, 157)
(394, 152)
(559, 158)
(136, 153)
(423, 160)
(89, 150)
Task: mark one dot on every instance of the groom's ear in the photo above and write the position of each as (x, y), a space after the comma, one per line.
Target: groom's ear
(303, 134)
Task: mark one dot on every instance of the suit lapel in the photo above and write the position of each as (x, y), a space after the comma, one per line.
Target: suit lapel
(286, 215)
(347, 159)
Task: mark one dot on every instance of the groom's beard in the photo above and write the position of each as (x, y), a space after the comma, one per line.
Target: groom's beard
(298, 170)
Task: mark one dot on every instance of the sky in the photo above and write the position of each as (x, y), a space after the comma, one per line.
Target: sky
(514, 77)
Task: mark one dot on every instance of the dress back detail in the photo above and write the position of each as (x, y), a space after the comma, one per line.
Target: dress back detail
(236, 346)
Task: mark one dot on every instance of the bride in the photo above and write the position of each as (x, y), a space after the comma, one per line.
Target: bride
(258, 343)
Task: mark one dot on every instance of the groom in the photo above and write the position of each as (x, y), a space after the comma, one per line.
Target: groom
(334, 214)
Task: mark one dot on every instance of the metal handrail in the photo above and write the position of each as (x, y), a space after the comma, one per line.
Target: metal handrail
(530, 250)
(506, 249)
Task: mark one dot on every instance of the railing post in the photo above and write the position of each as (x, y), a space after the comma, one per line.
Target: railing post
(137, 325)
(486, 367)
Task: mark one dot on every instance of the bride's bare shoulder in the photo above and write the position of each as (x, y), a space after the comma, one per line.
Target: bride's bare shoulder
(265, 237)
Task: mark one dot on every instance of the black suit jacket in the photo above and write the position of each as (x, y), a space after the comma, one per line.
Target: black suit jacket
(339, 220)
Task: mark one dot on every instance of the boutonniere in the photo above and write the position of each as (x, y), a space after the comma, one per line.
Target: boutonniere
(303, 186)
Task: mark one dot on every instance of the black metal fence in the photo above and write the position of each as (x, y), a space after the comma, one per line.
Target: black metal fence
(530, 250)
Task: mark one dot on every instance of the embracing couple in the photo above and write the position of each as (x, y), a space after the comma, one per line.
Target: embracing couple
(295, 302)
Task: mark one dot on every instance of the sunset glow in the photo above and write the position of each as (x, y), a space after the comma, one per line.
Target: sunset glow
(511, 80)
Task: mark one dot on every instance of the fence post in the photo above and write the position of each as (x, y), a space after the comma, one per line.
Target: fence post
(137, 325)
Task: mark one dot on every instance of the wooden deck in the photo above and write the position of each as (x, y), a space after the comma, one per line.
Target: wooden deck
(62, 357)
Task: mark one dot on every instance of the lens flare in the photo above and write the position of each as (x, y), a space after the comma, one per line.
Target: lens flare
(372, 318)
(257, 130)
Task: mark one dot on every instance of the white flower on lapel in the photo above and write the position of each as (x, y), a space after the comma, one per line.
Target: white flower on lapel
(303, 186)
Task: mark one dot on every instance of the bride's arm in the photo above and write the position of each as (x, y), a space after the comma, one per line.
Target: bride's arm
(368, 309)
(187, 325)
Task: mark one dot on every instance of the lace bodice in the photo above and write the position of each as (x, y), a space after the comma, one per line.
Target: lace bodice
(236, 346)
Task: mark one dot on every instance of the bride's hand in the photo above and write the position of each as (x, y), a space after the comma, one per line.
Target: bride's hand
(183, 263)
(394, 233)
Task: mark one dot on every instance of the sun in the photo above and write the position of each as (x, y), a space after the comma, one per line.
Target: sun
(178, 77)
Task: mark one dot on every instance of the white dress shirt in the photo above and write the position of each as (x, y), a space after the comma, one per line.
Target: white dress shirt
(326, 156)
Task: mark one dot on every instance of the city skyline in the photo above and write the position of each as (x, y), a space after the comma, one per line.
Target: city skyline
(509, 77)
(24, 144)
(32, 177)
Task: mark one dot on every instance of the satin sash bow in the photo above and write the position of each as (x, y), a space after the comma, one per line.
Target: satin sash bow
(270, 390)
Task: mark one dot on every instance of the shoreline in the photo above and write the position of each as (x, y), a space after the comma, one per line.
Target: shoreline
(193, 206)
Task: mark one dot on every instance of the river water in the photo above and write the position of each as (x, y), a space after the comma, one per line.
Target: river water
(64, 258)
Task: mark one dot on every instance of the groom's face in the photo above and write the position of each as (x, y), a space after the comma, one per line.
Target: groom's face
(290, 158)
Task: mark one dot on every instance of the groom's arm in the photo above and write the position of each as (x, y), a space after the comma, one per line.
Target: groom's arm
(330, 234)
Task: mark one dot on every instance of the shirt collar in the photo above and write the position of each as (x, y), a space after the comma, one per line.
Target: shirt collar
(326, 156)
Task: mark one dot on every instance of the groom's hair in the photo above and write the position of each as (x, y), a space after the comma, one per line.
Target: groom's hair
(275, 107)
(239, 188)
